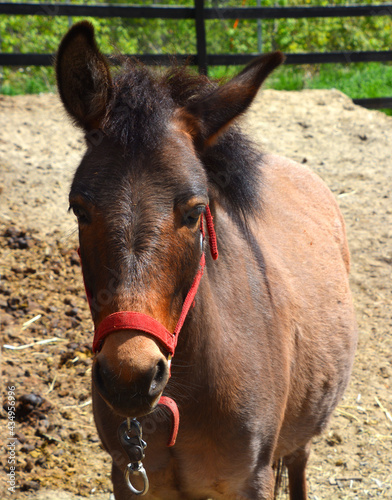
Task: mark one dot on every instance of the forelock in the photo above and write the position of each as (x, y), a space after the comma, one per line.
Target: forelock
(140, 109)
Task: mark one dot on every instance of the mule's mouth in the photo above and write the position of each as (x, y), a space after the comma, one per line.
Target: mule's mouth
(130, 398)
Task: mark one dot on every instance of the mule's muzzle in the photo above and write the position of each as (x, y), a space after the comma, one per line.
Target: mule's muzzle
(130, 389)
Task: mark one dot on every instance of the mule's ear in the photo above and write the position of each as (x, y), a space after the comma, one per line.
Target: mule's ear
(216, 112)
(83, 76)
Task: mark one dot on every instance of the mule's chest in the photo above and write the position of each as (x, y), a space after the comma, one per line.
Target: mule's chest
(183, 479)
(202, 468)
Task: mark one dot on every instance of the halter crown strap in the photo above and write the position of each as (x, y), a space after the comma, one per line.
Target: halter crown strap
(211, 234)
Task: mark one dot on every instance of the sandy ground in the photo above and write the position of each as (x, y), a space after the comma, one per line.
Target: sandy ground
(58, 453)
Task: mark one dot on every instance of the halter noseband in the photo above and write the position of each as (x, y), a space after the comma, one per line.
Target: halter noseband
(130, 320)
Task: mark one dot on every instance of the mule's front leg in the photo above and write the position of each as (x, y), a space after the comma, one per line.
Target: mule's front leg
(261, 487)
(296, 466)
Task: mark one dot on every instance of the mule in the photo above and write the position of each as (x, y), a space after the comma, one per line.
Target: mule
(264, 341)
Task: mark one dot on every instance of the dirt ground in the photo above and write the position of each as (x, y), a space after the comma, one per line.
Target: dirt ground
(57, 453)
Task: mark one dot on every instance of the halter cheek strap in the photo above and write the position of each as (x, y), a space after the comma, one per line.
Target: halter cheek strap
(130, 320)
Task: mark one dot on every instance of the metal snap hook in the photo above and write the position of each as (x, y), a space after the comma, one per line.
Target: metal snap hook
(137, 469)
(130, 435)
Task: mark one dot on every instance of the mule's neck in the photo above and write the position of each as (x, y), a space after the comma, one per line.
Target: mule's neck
(227, 306)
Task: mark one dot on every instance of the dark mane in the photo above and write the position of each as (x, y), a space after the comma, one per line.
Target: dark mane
(141, 107)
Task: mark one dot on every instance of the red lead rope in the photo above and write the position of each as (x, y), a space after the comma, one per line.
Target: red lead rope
(130, 320)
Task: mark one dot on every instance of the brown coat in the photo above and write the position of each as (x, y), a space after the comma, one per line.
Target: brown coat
(266, 353)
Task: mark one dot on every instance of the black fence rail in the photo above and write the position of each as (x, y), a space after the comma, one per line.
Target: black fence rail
(200, 15)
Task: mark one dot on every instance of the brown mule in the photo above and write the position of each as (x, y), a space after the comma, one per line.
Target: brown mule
(266, 352)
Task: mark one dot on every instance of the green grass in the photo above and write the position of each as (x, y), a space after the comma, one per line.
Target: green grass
(356, 80)
(29, 80)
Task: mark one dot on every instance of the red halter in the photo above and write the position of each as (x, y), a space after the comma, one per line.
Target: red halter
(130, 320)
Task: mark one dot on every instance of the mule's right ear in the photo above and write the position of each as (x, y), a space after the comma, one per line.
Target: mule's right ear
(83, 76)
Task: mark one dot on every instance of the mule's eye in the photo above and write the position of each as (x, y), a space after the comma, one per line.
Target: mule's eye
(80, 214)
(192, 217)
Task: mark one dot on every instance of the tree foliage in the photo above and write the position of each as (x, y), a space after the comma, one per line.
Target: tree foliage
(42, 34)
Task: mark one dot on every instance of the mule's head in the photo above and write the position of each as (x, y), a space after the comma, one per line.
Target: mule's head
(139, 194)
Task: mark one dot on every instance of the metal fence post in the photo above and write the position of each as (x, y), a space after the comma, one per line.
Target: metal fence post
(259, 32)
(201, 37)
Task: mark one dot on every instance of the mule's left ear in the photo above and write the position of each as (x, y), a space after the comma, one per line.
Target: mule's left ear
(217, 111)
(83, 76)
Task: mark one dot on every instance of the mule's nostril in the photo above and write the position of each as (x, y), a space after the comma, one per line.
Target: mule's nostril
(99, 376)
(161, 371)
(133, 390)
(160, 378)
